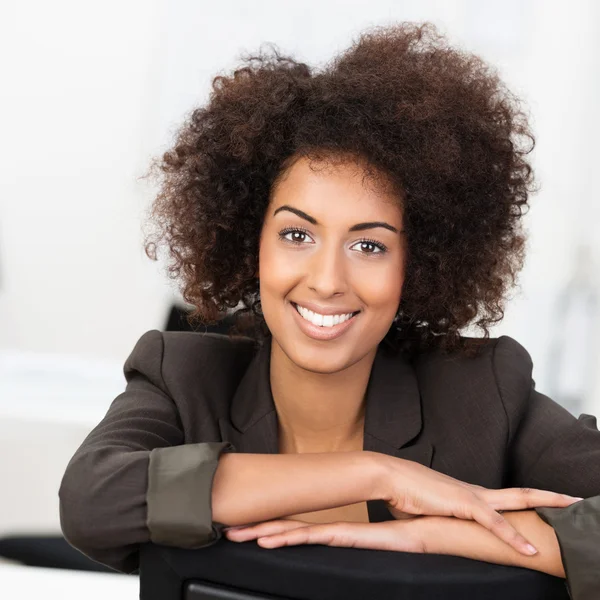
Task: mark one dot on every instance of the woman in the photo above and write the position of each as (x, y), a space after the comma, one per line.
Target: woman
(360, 217)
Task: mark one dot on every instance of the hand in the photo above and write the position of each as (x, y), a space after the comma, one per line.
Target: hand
(413, 489)
(408, 535)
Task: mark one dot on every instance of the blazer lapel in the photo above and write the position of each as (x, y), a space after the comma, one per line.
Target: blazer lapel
(392, 414)
(253, 425)
(393, 418)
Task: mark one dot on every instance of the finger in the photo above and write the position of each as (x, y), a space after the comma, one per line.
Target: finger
(521, 498)
(328, 534)
(263, 529)
(374, 536)
(500, 527)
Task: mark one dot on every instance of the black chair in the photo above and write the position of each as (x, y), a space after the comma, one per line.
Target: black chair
(244, 571)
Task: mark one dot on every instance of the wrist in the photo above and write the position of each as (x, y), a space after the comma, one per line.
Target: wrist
(433, 534)
(468, 539)
(379, 474)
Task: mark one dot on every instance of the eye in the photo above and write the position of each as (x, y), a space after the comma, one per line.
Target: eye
(294, 235)
(370, 247)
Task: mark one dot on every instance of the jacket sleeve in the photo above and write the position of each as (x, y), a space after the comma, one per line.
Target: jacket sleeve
(550, 449)
(133, 480)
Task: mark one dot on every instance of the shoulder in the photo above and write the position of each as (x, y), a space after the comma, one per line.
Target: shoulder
(503, 358)
(176, 359)
(500, 371)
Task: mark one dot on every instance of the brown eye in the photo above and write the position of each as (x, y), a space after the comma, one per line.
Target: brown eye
(294, 235)
(371, 247)
(368, 246)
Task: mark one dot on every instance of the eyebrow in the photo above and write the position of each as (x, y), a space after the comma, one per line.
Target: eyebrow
(357, 227)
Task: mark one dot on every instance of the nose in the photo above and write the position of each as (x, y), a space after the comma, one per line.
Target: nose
(327, 272)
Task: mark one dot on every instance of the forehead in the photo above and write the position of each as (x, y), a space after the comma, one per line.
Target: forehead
(341, 191)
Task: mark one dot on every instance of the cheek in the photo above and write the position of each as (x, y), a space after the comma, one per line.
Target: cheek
(380, 288)
(276, 270)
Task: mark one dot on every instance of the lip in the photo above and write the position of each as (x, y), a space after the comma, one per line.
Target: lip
(321, 333)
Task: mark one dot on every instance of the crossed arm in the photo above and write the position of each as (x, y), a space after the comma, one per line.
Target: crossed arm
(353, 474)
(427, 534)
(424, 534)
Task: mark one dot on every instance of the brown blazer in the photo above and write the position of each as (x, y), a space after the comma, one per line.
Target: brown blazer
(145, 471)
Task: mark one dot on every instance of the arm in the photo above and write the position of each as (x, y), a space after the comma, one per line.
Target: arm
(447, 535)
(134, 479)
(549, 448)
(249, 488)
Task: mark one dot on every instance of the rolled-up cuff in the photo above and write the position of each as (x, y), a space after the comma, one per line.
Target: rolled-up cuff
(577, 529)
(179, 495)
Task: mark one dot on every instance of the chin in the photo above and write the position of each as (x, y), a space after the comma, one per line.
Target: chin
(314, 364)
(325, 360)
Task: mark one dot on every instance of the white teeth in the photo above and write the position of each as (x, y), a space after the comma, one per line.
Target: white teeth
(322, 320)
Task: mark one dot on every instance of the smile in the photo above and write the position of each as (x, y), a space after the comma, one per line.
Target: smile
(323, 320)
(322, 327)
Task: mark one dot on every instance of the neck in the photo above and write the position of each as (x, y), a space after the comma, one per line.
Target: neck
(319, 412)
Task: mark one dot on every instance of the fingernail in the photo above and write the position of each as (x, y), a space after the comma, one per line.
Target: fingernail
(572, 499)
(530, 549)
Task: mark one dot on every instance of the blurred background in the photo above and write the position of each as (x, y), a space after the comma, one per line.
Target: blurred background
(90, 91)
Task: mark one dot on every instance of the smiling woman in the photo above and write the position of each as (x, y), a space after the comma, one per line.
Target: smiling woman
(446, 149)
(315, 262)
(357, 218)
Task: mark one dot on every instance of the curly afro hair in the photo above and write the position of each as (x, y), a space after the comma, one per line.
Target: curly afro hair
(437, 121)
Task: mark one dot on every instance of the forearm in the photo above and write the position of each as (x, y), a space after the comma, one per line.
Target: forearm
(448, 535)
(248, 488)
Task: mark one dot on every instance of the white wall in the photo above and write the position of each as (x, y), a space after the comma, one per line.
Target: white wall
(75, 120)
(558, 72)
(92, 90)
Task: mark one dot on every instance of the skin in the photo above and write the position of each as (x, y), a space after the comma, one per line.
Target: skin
(427, 534)
(309, 254)
(329, 266)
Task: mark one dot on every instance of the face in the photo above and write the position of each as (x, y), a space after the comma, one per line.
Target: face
(331, 266)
